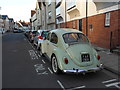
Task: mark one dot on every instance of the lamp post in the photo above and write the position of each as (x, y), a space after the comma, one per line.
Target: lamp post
(86, 17)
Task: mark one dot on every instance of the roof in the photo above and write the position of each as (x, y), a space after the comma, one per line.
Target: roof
(65, 30)
(11, 19)
(4, 16)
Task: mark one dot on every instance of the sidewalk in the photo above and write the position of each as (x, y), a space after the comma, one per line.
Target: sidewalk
(109, 60)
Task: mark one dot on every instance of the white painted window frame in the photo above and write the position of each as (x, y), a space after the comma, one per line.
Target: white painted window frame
(107, 19)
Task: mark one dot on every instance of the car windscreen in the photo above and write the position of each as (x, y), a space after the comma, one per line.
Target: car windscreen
(44, 33)
(34, 32)
(73, 38)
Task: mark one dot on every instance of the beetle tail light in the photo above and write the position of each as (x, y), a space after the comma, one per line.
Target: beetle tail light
(98, 57)
(65, 60)
(40, 37)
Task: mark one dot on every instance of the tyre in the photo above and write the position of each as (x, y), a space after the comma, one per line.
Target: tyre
(38, 47)
(54, 65)
(34, 43)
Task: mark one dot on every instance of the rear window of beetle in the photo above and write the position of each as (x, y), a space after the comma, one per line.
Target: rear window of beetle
(72, 38)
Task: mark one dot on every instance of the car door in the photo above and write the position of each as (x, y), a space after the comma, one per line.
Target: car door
(51, 45)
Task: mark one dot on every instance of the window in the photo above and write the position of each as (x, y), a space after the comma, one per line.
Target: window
(49, 2)
(107, 19)
(91, 27)
(44, 33)
(70, 4)
(74, 38)
(49, 14)
(54, 38)
(48, 36)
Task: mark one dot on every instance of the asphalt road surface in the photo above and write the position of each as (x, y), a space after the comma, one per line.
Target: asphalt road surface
(24, 67)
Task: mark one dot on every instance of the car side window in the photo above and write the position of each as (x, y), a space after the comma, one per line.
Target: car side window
(37, 33)
(48, 36)
(54, 38)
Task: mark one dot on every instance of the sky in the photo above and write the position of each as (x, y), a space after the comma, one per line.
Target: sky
(17, 9)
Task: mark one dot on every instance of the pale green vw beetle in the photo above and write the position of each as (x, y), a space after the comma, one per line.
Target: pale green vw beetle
(70, 51)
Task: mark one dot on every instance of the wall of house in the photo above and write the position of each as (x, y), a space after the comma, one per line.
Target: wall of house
(1, 23)
(6, 21)
(99, 34)
(38, 15)
(50, 18)
(34, 22)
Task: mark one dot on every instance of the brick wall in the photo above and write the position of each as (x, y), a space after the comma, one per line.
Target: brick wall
(97, 32)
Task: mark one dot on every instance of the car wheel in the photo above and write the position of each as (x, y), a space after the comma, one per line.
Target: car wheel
(38, 48)
(34, 43)
(55, 67)
(42, 54)
(31, 41)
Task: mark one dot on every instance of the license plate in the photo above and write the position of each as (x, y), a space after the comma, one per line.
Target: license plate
(85, 57)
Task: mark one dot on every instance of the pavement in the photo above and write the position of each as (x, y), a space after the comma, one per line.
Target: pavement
(110, 60)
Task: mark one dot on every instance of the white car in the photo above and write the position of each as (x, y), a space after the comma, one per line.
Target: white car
(39, 38)
(70, 51)
(2, 31)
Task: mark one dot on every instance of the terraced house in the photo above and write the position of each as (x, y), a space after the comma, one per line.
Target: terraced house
(98, 20)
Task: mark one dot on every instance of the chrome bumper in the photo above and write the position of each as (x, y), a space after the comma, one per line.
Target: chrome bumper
(84, 71)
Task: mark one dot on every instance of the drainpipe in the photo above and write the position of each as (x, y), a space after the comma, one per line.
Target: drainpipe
(65, 15)
(45, 18)
(111, 34)
(86, 17)
(55, 16)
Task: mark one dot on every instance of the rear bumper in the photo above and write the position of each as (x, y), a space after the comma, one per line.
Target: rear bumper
(84, 71)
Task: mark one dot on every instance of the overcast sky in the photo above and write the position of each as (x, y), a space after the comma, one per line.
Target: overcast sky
(21, 9)
(17, 9)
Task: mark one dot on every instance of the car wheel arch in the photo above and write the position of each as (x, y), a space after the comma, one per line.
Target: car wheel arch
(59, 65)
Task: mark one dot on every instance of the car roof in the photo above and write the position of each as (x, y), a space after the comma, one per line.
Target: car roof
(33, 30)
(42, 30)
(65, 30)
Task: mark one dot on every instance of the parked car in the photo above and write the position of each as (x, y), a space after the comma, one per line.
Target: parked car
(2, 31)
(39, 38)
(32, 35)
(26, 33)
(70, 51)
(17, 31)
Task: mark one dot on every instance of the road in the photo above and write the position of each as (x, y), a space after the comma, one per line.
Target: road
(24, 67)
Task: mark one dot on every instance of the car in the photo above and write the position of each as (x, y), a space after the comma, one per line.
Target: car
(20, 31)
(31, 35)
(26, 33)
(70, 51)
(17, 31)
(39, 38)
(2, 31)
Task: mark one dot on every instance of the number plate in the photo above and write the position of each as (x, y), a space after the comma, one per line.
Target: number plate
(85, 57)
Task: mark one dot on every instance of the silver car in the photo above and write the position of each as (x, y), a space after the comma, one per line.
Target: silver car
(39, 38)
(32, 35)
(2, 31)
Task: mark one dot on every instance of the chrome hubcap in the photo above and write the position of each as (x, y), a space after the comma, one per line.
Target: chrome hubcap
(54, 64)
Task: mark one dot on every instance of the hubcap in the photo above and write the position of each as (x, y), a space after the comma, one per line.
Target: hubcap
(54, 64)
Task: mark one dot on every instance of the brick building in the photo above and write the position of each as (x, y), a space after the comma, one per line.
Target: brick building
(102, 22)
